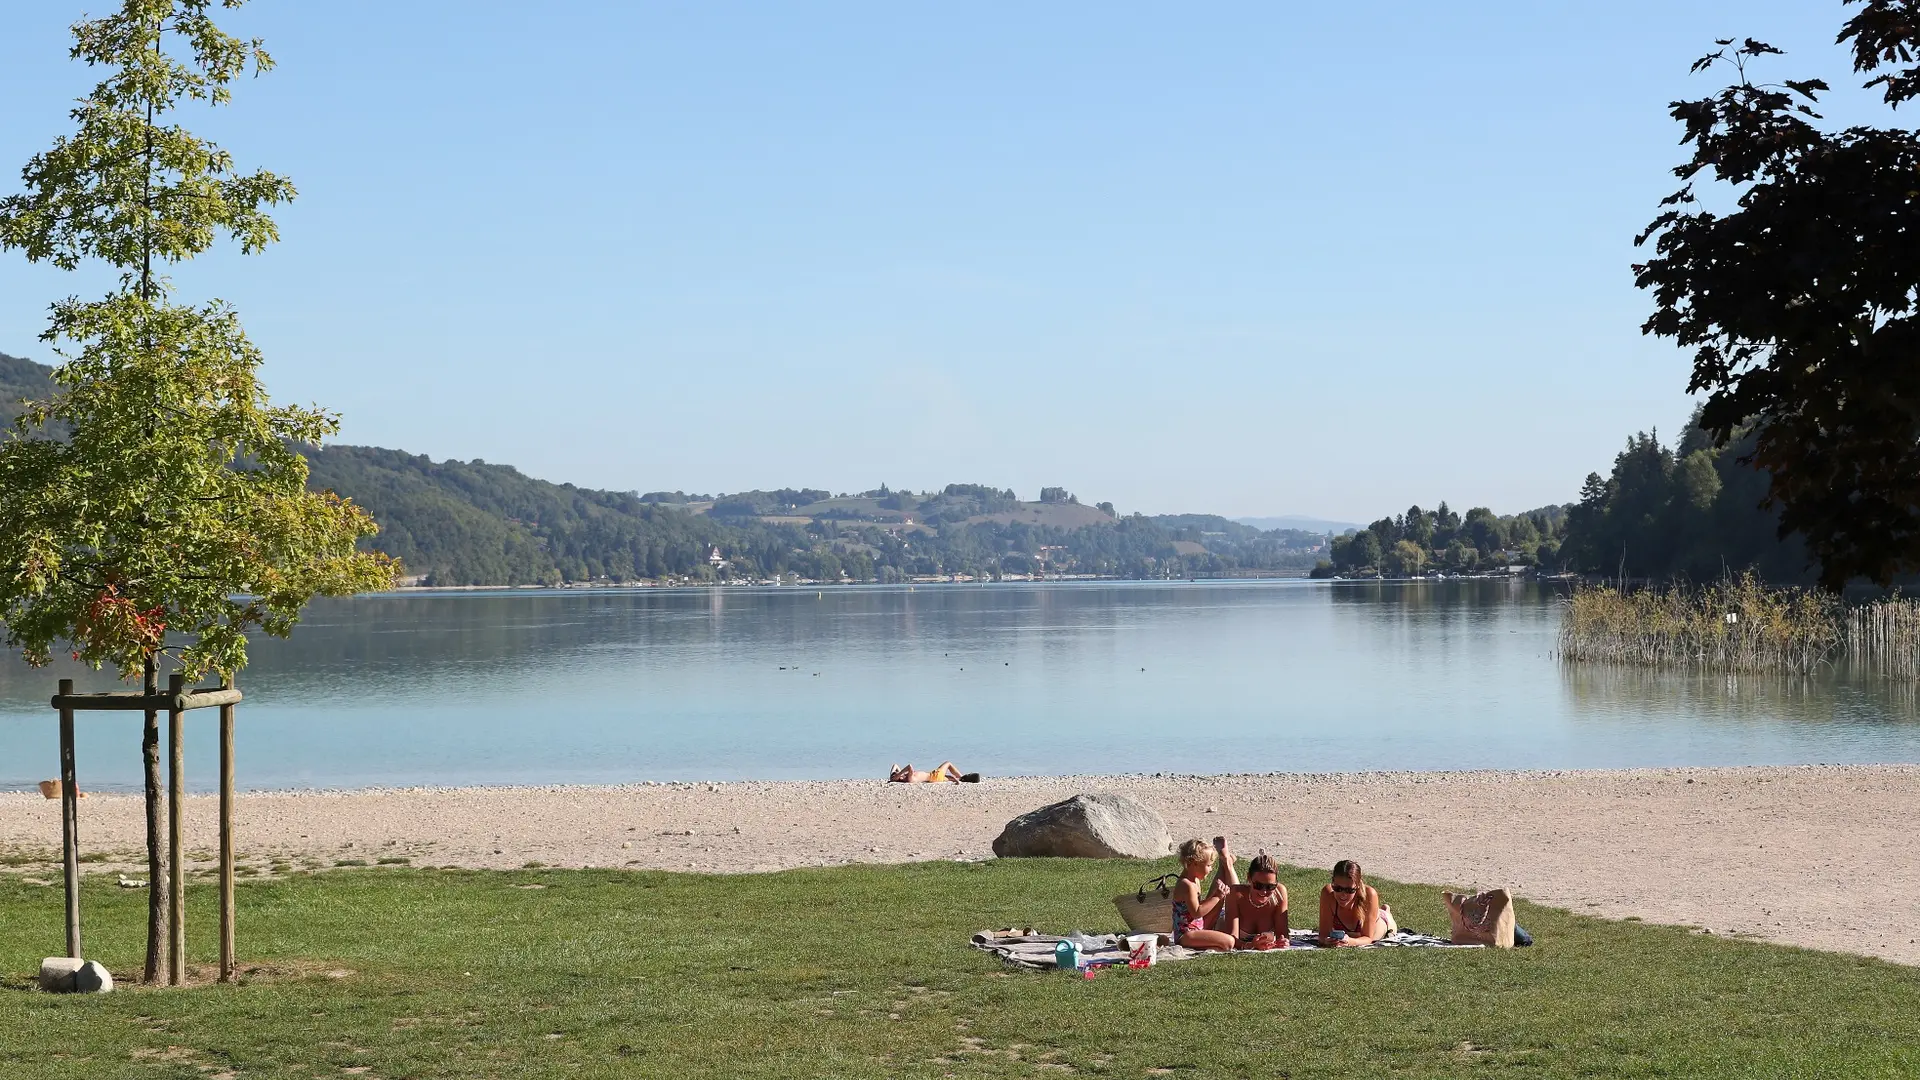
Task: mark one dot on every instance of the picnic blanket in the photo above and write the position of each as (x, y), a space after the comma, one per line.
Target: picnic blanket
(1029, 949)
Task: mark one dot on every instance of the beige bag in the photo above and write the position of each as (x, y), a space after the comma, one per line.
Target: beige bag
(1485, 918)
(1149, 909)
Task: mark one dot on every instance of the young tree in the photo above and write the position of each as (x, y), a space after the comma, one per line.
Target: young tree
(1800, 303)
(1406, 559)
(154, 510)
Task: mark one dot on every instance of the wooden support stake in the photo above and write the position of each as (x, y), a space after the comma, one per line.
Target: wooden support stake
(70, 823)
(226, 838)
(156, 852)
(176, 860)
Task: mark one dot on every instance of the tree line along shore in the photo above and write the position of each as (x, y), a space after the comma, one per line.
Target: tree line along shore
(1686, 510)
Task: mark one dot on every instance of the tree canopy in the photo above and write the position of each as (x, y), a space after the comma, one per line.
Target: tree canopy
(1799, 303)
(153, 504)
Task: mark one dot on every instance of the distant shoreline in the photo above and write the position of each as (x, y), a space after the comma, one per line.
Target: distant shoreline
(758, 586)
(1768, 852)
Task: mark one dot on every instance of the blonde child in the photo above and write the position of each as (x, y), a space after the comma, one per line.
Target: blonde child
(1195, 908)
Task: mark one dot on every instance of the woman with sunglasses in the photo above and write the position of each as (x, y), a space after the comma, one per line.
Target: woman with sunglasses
(1352, 909)
(1257, 918)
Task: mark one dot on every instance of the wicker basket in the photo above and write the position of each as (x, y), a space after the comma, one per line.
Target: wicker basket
(1149, 909)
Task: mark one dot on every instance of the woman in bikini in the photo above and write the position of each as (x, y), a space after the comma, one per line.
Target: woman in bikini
(1194, 909)
(1257, 913)
(943, 773)
(1350, 905)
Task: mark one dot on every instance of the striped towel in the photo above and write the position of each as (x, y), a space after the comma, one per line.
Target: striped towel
(1028, 949)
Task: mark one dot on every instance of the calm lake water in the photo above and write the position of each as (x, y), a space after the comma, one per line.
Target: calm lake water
(612, 687)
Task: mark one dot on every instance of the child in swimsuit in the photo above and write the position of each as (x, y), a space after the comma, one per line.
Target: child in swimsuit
(1193, 908)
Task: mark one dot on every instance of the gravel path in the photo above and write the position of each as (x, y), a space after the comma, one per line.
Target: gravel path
(1820, 856)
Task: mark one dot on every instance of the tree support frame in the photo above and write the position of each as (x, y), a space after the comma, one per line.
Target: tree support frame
(176, 703)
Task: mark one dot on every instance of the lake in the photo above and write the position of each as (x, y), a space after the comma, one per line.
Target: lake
(606, 686)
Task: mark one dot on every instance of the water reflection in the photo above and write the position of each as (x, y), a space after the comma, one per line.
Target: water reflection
(544, 687)
(1605, 692)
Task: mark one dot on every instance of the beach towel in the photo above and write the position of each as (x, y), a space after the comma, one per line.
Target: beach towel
(1027, 949)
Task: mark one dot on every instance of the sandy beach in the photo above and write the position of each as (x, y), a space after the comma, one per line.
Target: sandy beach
(1825, 857)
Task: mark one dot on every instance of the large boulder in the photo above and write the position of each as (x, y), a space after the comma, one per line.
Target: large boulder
(57, 972)
(68, 975)
(92, 978)
(1094, 826)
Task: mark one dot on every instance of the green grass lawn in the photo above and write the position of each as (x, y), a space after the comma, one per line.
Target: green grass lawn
(398, 972)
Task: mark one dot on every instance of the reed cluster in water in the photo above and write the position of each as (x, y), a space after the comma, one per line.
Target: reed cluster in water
(1884, 636)
(1736, 624)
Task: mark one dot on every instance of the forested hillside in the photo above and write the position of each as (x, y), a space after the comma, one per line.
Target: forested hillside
(1662, 511)
(21, 380)
(471, 523)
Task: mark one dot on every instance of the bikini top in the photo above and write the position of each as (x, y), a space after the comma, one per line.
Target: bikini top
(1359, 913)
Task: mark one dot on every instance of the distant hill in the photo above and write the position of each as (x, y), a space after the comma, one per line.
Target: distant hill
(471, 523)
(475, 523)
(1305, 524)
(21, 380)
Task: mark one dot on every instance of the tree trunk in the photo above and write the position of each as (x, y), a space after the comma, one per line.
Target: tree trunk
(157, 936)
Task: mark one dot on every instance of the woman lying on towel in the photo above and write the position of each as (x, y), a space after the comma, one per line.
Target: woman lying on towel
(1352, 909)
(1195, 909)
(943, 773)
(1256, 913)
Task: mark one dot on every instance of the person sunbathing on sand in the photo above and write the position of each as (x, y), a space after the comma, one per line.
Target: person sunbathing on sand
(1193, 909)
(943, 773)
(1352, 907)
(1256, 916)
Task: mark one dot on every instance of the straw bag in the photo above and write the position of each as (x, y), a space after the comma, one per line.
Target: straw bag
(1149, 909)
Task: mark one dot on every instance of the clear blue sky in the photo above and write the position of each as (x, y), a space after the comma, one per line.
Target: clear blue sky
(1246, 258)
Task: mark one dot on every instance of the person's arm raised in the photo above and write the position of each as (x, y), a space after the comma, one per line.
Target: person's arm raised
(1221, 892)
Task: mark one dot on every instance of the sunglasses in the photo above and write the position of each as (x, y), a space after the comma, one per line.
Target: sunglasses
(1263, 886)
(1344, 889)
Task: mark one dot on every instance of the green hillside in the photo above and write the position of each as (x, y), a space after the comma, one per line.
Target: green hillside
(472, 523)
(21, 380)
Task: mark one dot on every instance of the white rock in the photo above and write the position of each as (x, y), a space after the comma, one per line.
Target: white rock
(1095, 826)
(92, 978)
(56, 973)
